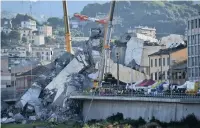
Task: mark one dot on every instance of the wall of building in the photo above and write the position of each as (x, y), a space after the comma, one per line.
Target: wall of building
(29, 24)
(156, 69)
(125, 73)
(27, 33)
(164, 111)
(38, 39)
(179, 55)
(193, 39)
(147, 51)
(45, 30)
(23, 82)
(42, 53)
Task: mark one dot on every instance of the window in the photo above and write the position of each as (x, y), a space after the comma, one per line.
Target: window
(199, 39)
(155, 75)
(196, 23)
(47, 53)
(155, 62)
(196, 61)
(199, 71)
(163, 61)
(159, 61)
(199, 60)
(168, 61)
(160, 75)
(196, 39)
(183, 74)
(152, 76)
(189, 62)
(189, 51)
(196, 72)
(179, 75)
(192, 24)
(151, 62)
(192, 72)
(196, 49)
(189, 42)
(193, 40)
(176, 75)
(192, 52)
(188, 25)
(199, 23)
(193, 61)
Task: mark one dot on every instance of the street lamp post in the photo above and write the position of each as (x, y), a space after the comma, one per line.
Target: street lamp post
(118, 69)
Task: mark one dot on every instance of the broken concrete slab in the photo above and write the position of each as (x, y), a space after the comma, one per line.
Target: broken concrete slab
(7, 120)
(77, 65)
(18, 117)
(32, 94)
(32, 118)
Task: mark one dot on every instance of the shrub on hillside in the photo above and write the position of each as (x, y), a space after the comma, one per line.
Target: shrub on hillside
(115, 118)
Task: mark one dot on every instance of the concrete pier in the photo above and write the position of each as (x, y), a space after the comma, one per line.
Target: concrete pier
(164, 109)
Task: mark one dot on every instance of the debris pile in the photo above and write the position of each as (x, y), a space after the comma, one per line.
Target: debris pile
(48, 97)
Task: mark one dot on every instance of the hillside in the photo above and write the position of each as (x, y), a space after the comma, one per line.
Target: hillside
(166, 17)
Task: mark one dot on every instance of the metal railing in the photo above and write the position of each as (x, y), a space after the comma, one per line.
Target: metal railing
(140, 94)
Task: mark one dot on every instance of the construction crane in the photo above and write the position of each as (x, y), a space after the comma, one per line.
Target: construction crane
(67, 28)
(107, 38)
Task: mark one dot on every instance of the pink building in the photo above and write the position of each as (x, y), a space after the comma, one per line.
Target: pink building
(45, 30)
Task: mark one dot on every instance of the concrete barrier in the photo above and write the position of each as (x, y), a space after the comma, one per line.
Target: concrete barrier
(164, 109)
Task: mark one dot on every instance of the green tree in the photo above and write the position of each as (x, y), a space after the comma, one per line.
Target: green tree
(61, 33)
(14, 35)
(54, 22)
(24, 39)
(16, 21)
(47, 39)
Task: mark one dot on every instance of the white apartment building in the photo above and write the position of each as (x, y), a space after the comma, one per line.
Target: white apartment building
(26, 33)
(31, 37)
(45, 30)
(31, 24)
(38, 40)
(193, 39)
(147, 31)
(43, 53)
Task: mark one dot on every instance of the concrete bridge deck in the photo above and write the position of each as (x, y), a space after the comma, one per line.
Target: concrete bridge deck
(165, 109)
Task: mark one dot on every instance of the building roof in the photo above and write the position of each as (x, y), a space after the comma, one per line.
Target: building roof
(168, 50)
(36, 71)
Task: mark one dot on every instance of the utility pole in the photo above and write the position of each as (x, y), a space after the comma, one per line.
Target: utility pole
(14, 84)
(118, 69)
(161, 67)
(170, 73)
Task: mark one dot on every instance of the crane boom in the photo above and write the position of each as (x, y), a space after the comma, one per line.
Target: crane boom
(67, 28)
(107, 43)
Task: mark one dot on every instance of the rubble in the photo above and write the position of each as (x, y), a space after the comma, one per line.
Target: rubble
(18, 117)
(7, 120)
(48, 97)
